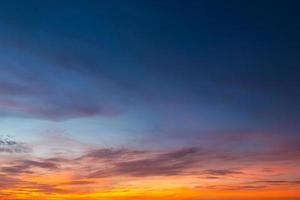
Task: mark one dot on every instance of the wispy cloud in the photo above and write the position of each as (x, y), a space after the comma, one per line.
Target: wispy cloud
(221, 172)
(162, 164)
(25, 166)
(8, 145)
(23, 96)
(106, 169)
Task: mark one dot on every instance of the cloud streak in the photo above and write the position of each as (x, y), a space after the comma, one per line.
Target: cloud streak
(163, 164)
(8, 145)
(23, 96)
(106, 169)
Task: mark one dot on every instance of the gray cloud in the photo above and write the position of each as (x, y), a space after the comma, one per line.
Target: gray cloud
(25, 166)
(221, 172)
(112, 153)
(163, 164)
(8, 145)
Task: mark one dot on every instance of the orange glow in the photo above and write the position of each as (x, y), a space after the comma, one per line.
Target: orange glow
(57, 188)
(143, 194)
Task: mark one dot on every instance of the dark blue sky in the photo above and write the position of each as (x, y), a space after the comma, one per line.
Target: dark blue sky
(151, 70)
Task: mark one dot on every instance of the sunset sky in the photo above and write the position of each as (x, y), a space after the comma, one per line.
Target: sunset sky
(149, 100)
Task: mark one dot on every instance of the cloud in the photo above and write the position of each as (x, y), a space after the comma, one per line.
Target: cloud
(80, 182)
(10, 88)
(109, 168)
(162, 164)
(8, 145)
(237, 187)
(55, 110)
(112, 154)
(278, 182)
(221, 172)
(255, 145)
(136, 163)
(106, 162)
(34, 94)
(25, 166)
(254, 185)
(8, 182)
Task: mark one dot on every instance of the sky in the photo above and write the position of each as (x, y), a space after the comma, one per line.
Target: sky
(167, 100)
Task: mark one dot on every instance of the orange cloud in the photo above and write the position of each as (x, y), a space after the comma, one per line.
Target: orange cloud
(121, 174)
